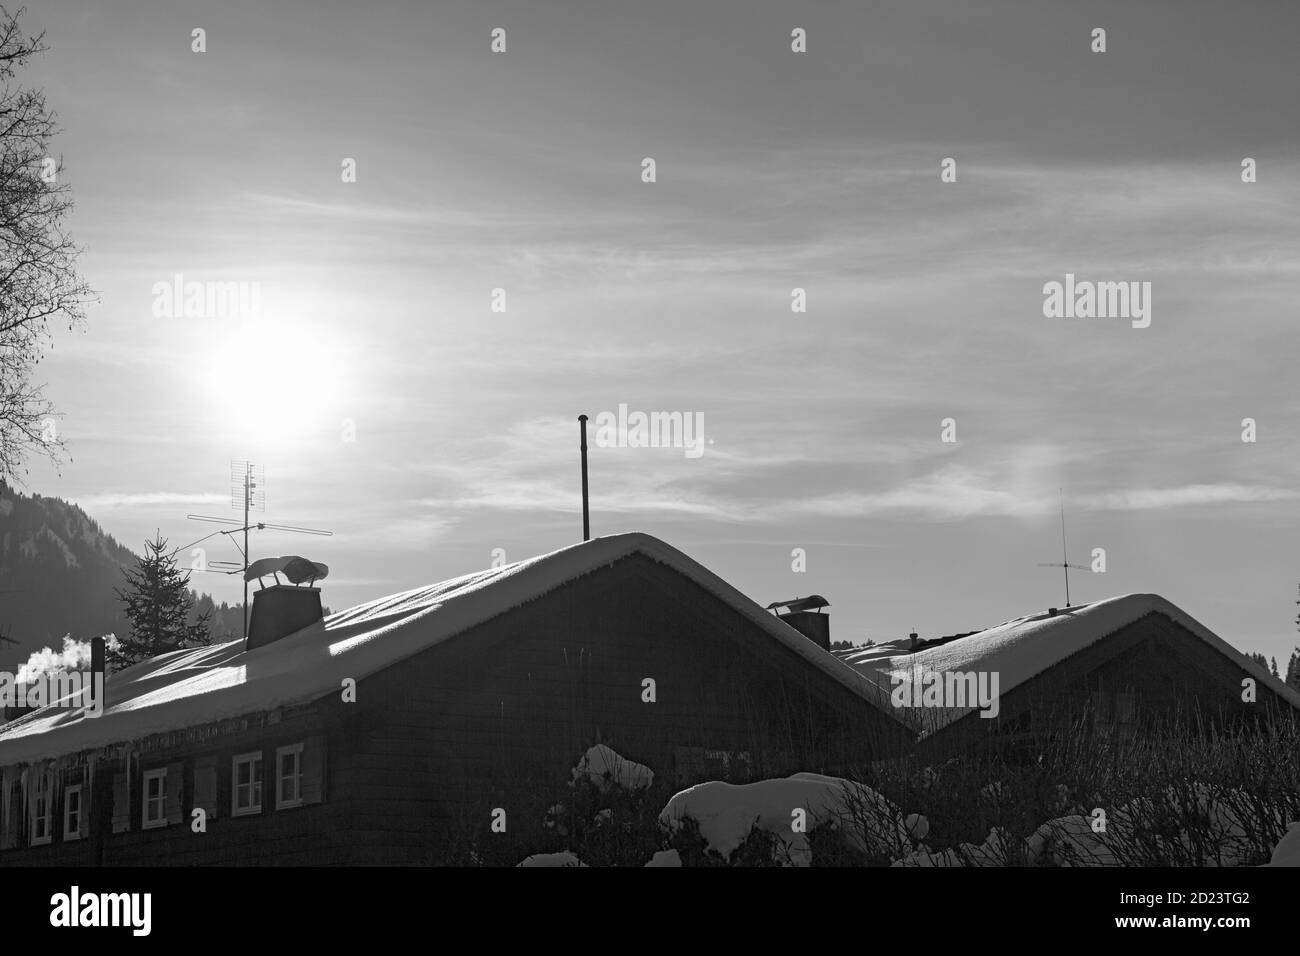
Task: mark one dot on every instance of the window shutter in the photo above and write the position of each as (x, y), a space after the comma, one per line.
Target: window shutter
(10, 809)
(122, 801)
(175, 781)
(205, 786)
(313, 770)
(27, 813)
(34, 777)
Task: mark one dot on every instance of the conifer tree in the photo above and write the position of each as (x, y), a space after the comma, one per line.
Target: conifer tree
(157, 604)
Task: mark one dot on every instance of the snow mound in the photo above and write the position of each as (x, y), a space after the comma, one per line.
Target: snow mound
(605, 768)
(1287, 851)
(564, 858)
(726, 813)
(665, 858)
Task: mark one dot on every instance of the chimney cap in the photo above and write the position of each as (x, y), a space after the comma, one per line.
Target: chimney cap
(294, 567)
(813, 602)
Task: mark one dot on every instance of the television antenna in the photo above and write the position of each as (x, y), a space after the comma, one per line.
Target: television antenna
(247, 491)
(1064, 563)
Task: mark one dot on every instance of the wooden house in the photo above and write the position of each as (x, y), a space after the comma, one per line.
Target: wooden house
(394, 732)
(1135, 663)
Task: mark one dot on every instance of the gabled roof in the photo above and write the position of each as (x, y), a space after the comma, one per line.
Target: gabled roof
(195, 687)
(1021, 649)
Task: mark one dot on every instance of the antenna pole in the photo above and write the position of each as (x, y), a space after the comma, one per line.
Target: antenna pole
(586, 515)
(247, 467)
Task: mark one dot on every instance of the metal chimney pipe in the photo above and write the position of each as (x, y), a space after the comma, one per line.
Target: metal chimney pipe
(586, 515)
(96, 666)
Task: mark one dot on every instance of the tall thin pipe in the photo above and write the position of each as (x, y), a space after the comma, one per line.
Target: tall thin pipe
(586, 515)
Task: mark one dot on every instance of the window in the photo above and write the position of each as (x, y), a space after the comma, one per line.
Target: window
(44, 824)
(246, 792)
(72, 813)
(154, 812)
(288, 773)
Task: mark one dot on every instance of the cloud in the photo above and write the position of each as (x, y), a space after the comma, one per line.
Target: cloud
(1151, 499)
(110, 501)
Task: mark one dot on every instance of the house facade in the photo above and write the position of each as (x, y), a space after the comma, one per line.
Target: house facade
(398, 731)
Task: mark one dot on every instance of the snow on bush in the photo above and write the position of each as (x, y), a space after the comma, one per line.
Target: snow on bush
(605, 768)
(726, 814)
(564, 858)
(992, 852)
(1193, 824)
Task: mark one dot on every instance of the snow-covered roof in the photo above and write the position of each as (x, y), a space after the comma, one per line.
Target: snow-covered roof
(1025, 647)
(195, 687)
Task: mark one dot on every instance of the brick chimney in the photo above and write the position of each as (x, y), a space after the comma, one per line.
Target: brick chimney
(813, 625)
(805, 616)
(281, 610)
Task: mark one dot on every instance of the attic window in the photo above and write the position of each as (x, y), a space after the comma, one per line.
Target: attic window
(288, 762)
(1114, 709)
(42, 831)
(246, 793)
(154, 813)
(72, 813)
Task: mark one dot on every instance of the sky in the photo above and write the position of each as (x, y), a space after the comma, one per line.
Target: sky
(389, 403)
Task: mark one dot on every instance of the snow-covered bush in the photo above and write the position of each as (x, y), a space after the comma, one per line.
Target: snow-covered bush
(802, 820)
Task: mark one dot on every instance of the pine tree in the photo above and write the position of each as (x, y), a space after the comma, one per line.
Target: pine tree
(158, 605)
(1275, 673)
(1293, 670)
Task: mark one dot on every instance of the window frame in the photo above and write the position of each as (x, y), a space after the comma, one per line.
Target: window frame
(77, 790)
(255, 785)
(280, 752)
(158, 773)
(45, 786)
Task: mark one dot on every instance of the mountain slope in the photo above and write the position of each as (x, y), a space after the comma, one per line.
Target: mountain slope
(58, 569)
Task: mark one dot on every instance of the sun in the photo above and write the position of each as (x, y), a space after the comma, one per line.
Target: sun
(275, 380)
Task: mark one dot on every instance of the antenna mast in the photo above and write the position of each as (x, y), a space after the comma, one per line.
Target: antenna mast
(245, 482)
(1064, 564)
